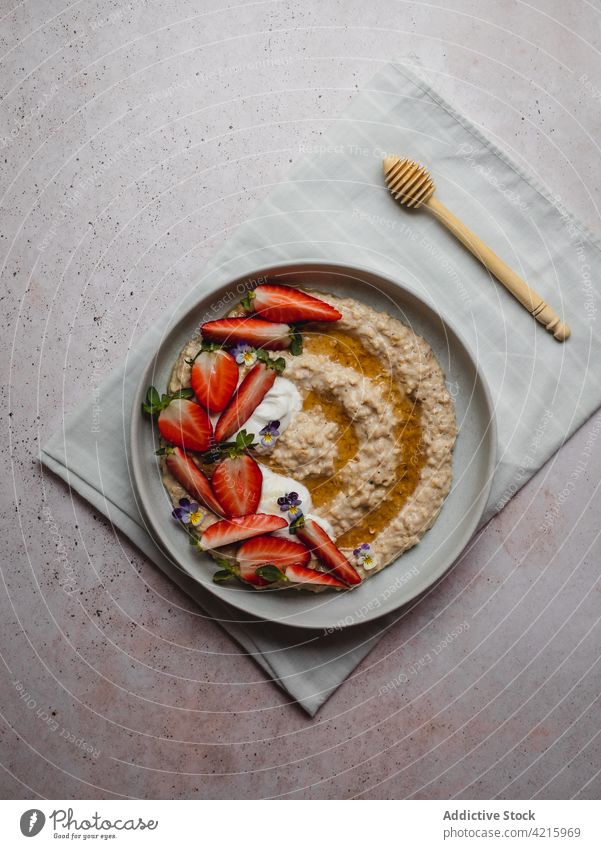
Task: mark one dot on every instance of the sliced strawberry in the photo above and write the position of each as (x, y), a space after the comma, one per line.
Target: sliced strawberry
(186, 424)
(214, 379)
(249, 395)
(283, 303)
(316, 539)
(243, 527)
(303, 575)
(237, 483)
(194, 481)
(253, 331)
(274, 550)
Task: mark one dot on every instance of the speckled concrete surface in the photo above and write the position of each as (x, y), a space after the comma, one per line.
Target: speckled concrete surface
(114, 121)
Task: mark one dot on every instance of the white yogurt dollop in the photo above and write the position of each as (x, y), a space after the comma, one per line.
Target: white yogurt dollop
(281, 403)
(276, 485)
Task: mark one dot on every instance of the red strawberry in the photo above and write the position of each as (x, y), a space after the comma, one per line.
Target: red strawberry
(254, 331)
(237, 482)
(186, 424)
(249, 395)
(283, 303)
(214, 379)
(194, 481)
(302, 575)
(242, 527)
(262, 550)
(316, 539)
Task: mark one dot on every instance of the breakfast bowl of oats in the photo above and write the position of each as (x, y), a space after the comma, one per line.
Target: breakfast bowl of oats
(318, 449)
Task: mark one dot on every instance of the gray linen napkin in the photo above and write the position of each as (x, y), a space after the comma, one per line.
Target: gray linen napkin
(335, 207)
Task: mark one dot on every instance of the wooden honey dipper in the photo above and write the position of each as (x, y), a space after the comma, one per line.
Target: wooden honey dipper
(413, 186)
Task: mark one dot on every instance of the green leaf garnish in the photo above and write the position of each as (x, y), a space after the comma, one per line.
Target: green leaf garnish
(152, 402)
(244, 441)
(222, 576)
(296, 346)
(270, 573)
(277, 365)
(247, 302)
(226, 571)
(194, 536)
(155, 403)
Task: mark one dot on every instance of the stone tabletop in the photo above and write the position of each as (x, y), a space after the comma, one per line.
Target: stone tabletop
(115, 123)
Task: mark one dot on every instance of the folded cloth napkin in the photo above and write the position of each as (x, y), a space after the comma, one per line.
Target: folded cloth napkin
(335, 207)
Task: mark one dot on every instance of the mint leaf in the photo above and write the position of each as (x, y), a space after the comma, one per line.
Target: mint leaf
(277, 365)
(222, 576)
(245, 440)
(270, 573)
(152, 403)
(155, 403)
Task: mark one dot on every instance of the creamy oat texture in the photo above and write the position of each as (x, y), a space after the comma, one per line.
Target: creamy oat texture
(373, 441)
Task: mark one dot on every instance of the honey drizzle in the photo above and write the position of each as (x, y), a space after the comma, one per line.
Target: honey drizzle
(323, 488)
(406, 434)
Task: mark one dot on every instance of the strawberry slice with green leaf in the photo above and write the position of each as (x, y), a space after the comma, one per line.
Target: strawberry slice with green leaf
(266, 551)
(320, 544)
(228, 569)
(181, 421)
(248, 396)
(214, 377)
(194, 481)
(303, 575)
(237, 481)
(228, 531)
(298, 574)
(287, 304)
(270, 335)
(155, 402)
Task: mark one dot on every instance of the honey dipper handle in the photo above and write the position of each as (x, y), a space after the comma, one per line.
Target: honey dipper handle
(530, 299)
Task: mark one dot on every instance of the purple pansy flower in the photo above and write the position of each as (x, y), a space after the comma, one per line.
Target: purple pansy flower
(364, 556)
(291, 503)
(245, 355)
(188, 512)
(269, 433)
